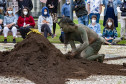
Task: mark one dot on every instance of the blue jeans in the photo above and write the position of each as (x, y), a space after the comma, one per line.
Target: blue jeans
(97, 14)
(83, 20)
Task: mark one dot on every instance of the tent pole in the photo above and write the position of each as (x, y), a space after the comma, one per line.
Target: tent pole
(71, 9)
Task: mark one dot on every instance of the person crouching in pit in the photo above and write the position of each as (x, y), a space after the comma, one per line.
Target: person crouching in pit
(90, 41)
(45, 22)
(9, 24)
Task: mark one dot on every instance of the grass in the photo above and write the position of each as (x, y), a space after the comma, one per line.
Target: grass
(10, 39)
(58, 32)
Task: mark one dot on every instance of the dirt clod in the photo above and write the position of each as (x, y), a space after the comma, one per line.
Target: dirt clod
(124, 64)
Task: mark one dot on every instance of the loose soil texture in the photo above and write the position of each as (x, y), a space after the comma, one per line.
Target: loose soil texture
(36, 59)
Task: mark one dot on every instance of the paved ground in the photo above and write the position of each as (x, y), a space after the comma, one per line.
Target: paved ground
(110, 51)
(100, 80)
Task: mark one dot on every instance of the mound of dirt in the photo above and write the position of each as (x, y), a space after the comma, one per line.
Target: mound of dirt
(36, 59)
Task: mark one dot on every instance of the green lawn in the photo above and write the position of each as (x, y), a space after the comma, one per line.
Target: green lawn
(10, 39)
(56, 39)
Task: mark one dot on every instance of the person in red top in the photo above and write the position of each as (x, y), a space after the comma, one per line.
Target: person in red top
(25, 22)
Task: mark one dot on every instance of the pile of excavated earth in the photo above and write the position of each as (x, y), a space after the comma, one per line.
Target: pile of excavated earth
(36, 59)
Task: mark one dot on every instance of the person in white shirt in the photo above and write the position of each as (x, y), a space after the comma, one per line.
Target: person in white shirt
(94, 7)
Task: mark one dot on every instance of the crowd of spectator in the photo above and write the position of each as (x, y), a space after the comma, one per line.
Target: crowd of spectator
(87, 12)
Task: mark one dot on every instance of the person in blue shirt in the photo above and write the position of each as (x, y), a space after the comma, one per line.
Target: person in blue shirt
(66, 9)
(95, 26)
(65, 13)
(110, 32)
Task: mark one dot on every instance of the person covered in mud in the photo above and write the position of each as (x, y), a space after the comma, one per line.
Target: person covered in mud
(90, 41)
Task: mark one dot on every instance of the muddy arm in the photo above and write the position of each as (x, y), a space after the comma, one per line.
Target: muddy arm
(104, 41)
(85, 42)
(73, 46)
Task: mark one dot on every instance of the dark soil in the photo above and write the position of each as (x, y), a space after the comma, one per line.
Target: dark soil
(124, 64)
(36, 59)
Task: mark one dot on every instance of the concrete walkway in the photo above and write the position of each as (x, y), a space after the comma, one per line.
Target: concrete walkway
(109, 51)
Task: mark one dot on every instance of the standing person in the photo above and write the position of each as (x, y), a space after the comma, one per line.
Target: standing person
(25, 22)
(123, 19)
(110, 33)
(94, 8)
(110, 11)
(95, 26)
(52, 6)
(3, 6)
(66, 9)
(81, 12)
(1, 21)
(65, 13)
(45, 22)
(14, 5)
(24, 3)
(9, 24)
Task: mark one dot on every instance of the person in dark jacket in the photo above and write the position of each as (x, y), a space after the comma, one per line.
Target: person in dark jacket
(2, 13)
(24, 3)
(52, 6)
(1, 21)
(80, 8)
(3, 6)
(123, 20)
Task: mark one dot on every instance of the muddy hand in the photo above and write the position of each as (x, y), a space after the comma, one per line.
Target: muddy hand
(70, 55)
